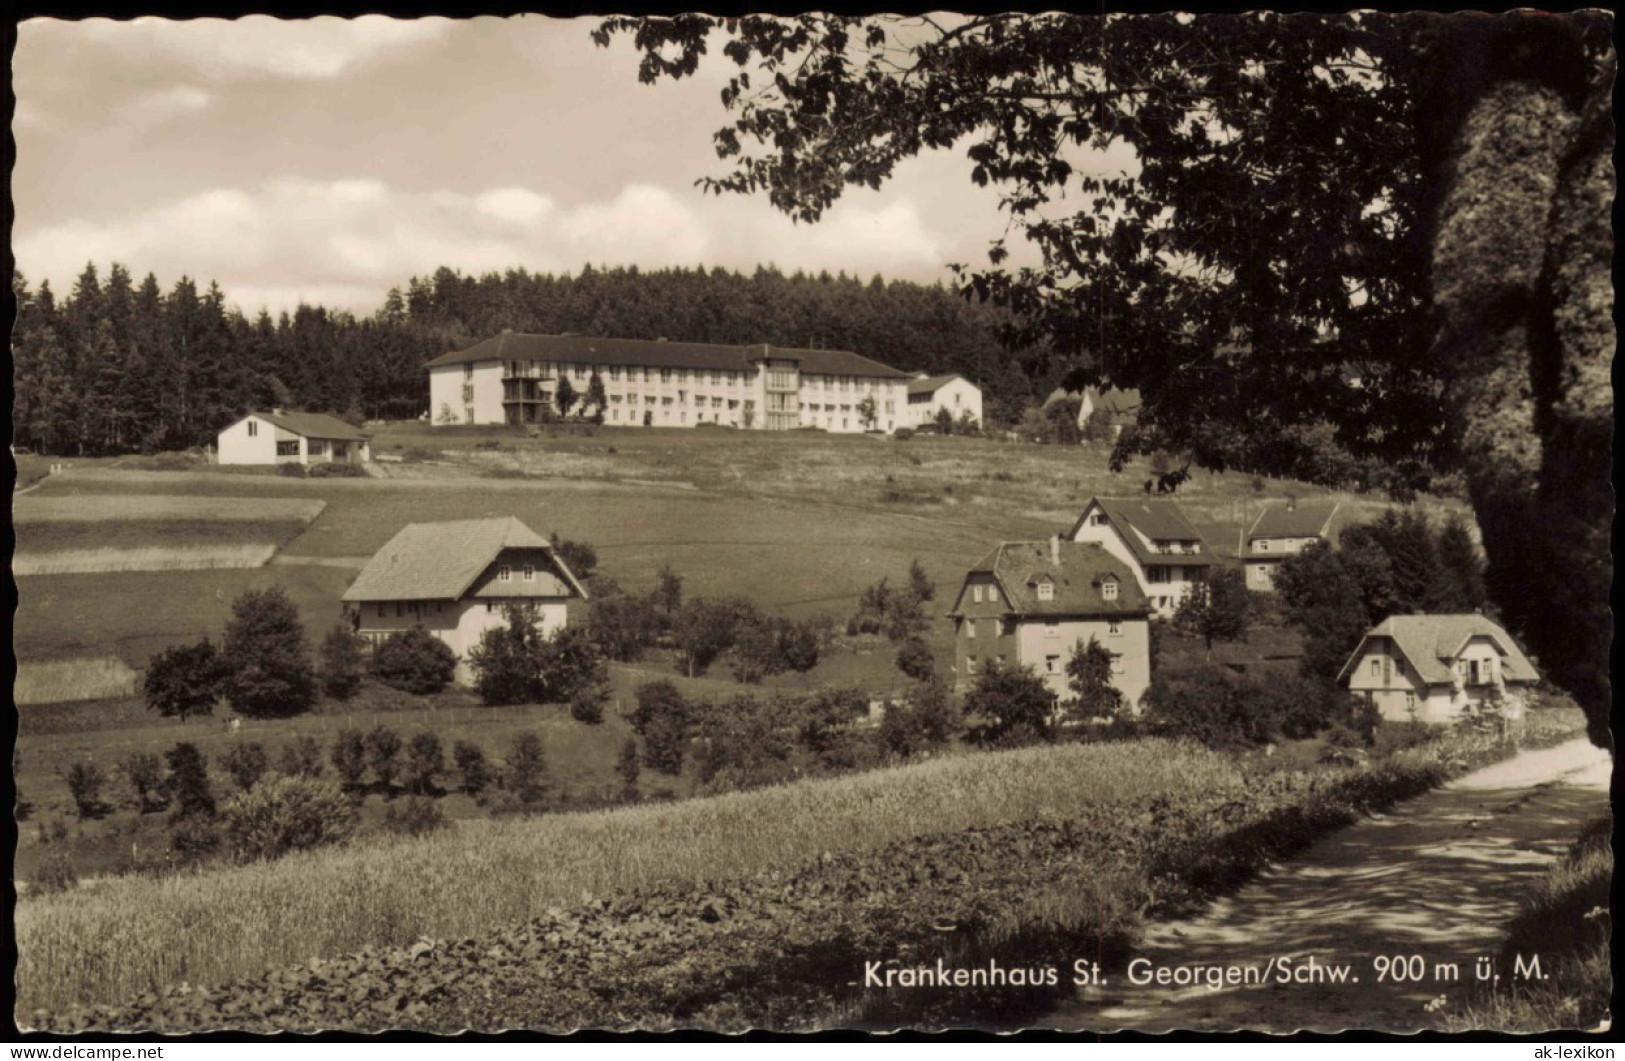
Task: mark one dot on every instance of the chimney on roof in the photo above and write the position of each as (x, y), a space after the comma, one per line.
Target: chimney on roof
(1055, 549)
(277, 411)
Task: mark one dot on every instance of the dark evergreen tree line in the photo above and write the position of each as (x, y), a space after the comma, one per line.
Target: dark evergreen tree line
(119, 366)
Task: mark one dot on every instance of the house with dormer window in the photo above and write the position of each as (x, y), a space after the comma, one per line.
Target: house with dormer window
(457, 579)
(1432, 668)
(1154, 540)
(1030, 603)
(1284, 529)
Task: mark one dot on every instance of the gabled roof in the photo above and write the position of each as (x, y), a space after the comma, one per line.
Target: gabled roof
(1304, 519)
(311, 425)
(440, 561)
(1112, 400)
(598, 350)
(1156, 518)
(1018, 567)
(932, 384)
(1431, 643)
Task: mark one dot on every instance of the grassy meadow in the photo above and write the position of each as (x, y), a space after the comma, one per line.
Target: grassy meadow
(132, 935)
(76, 681)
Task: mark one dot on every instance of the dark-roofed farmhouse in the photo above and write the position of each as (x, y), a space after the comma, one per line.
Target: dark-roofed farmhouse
(1284, 530)
(1030, 603)
(514, 378)
(280, 437)
(456, 580)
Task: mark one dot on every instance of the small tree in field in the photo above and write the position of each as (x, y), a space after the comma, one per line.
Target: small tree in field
(565, 664)
(580, 557)
(424, 760)
(350, 757)
(414, 661)
(145, 773)
(188, 782)
(341, 662)
(1089, 676)
(264, 650)
(527, 775)
(302, 758)
(472, 767)
(383, 746)
(668, 592)
(664, 719)
(915, 660)
(920, 586)
(628, 769)
(246, 763)
(184, 680)
(85, 780)
(1216, 609)
(1013, 704)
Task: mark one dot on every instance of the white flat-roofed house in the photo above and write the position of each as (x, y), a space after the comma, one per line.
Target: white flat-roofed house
(1284, 529)
(456, 580)
(928, 396)
(1031, 603)
(1166, 554)
(1431, 668)
(280, 437)
(514, 378)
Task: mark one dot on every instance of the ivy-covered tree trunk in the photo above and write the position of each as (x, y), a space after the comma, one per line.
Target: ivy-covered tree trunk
(1521, 284)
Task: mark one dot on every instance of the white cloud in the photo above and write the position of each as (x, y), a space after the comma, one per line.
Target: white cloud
(165, 103)
(260, 46)
(642, 218)
(519, 206)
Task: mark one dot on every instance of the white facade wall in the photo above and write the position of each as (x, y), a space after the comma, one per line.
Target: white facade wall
(1165, 585)
(460, 624)
(1382, 676)
(958, 396)
(1046, 646)
(651, 396)
(252, 440)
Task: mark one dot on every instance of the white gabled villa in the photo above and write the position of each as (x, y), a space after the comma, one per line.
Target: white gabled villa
(456, 580)
(514, 378)
(1156, 541)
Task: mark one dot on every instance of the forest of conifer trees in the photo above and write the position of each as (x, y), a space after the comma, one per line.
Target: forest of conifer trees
(118, 366)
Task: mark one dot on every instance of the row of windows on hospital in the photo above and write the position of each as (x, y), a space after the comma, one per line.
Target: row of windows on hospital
(1052, 663)
(718, 377)
(1007, 627)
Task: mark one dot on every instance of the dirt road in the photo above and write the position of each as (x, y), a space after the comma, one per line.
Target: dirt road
(1437, 878)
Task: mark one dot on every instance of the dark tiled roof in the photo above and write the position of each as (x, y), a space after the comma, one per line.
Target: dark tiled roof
(595, 350)
(1020, 566)
(440, 561)
(1302, 520)
(932, 384)
(312, 425)
(1431, 644)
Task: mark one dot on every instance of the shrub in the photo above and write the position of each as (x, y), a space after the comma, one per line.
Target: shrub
(664, 719)
(188, 782)
(472, 767)
(383, 748)
(580, 557)
(194, 838)
(414, 816)
(915, 660)
(424, 760)
(926, 719)
(283, 814)
(85, 780)
(246, 763)
(1089, 676)
(903, 434)
(302, 758)
(56, 874)
(1012, 704)
(799, 645)
(526, 775)
(341, 662)
(336, 470)
(706, 628)
(1214, 707)
(621, 626)
(349, 756)
(145, 773)
(414, 661)
(567, 663)
(264, 649)
(503, 662)
(743, 743)
(587, 705)
(184, 680)
(291, 469)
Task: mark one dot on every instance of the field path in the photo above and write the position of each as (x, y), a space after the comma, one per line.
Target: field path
(1438, 877)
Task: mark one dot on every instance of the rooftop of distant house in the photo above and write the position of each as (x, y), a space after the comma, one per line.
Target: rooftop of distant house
(574, 349)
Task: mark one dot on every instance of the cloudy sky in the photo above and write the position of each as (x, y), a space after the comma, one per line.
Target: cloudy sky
(331, 159)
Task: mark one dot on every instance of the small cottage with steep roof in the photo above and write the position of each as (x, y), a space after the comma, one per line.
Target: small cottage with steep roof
(1431, 668)
(1031, 603)
(456, 580)
(1282, 530)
